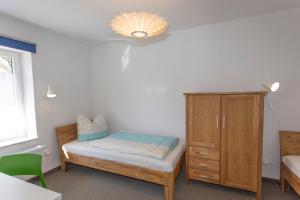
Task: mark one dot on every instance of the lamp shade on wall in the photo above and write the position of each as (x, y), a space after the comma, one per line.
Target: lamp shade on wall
(272, 87)
(50, 93)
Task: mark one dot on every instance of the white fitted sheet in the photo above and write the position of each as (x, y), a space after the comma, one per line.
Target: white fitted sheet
(166, 165)
(293, 163)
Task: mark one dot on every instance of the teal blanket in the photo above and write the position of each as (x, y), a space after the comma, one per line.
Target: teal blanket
(162, 141)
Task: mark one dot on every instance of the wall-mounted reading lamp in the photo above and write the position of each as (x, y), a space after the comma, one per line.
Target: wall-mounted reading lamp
(272, 87)
(50, 93)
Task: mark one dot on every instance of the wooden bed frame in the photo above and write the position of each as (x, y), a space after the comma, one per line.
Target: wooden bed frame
(68, 133)
(289, 145)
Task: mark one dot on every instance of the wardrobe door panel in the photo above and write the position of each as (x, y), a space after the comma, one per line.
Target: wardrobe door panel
(240, 141)
(204, 121)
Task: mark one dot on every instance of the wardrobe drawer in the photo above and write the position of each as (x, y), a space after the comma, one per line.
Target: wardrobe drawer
(206, 176)
(205, 153)
(204, 164)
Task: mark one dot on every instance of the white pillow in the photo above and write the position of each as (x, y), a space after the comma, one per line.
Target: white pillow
(91, 129)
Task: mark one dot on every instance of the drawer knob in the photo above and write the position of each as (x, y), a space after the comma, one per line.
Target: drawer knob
(202, 176)
(203, 165)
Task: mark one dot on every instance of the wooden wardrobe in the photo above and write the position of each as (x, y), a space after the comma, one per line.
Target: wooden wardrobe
(224, 139)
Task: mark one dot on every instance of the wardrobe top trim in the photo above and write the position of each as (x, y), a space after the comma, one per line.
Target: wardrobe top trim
(226, 93)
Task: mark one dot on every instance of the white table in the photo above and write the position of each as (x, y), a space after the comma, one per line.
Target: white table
(12, 188)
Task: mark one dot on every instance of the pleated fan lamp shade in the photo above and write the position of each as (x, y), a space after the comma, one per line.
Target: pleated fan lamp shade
(138, 24)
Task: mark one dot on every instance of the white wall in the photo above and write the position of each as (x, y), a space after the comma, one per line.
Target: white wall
(64, 64)
(141, 88)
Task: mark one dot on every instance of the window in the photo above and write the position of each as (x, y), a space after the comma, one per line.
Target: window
(13, 122)
(11, 108)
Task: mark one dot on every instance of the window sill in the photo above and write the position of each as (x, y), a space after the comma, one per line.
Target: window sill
(17, 141)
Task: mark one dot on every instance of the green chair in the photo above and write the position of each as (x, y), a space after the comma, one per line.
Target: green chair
(23, 164)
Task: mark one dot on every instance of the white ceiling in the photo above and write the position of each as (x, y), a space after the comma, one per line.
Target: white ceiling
(88, 20)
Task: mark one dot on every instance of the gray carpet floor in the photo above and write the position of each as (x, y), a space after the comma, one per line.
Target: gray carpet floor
(80, 183)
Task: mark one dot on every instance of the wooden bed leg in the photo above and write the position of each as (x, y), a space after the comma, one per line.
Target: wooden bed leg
(283, 185)
(63, 164)
(169, 187)
(282, 181)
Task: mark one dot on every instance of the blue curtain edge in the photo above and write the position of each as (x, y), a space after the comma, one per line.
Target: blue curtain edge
(17, 44)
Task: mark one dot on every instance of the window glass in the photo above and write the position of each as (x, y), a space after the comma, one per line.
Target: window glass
(12, 123)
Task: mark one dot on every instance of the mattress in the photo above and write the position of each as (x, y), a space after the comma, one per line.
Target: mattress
(166, 165)
(293, 163)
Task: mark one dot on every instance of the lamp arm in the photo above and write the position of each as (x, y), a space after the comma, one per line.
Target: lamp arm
(273, 113)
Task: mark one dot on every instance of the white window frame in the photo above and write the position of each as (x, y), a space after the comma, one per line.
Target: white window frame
(17, 56)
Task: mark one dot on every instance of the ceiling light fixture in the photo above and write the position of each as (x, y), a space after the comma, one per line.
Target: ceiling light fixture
(138, 24)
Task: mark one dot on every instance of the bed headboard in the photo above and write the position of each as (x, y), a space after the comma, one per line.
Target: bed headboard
(289, 143)
(66, 134)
